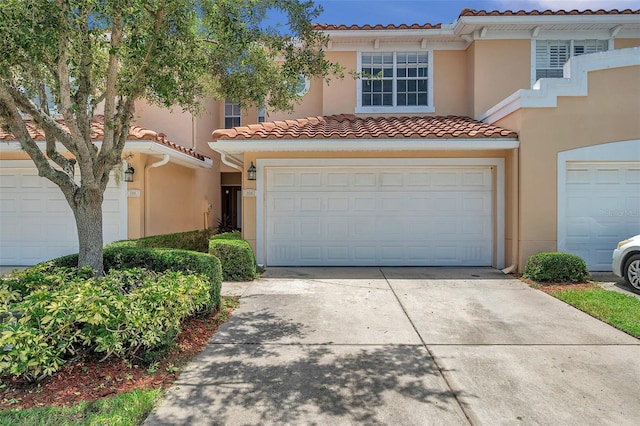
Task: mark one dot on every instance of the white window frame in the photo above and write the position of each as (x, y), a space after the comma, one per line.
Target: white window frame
(261, 114)
(571, 39)
(360, 109)
(238, 116)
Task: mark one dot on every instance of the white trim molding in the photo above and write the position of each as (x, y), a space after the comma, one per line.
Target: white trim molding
(386, 145)
(410, 109)
(498, 164)
(545, 92)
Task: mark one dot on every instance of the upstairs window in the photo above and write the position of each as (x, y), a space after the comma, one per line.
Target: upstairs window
(261, 115)
(551, 55)
(395, 81)
(231, 114)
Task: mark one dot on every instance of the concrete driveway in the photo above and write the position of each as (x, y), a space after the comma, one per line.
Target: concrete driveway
(403, 346)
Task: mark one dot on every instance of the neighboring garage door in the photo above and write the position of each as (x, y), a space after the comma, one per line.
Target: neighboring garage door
(37, 224)
(602, 208)
(357, 216)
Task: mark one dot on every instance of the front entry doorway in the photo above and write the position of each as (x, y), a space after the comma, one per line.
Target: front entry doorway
(232, 208)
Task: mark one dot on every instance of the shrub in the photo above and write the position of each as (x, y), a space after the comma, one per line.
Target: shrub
(236, 257)
(55, 313)
(556, 267)
(191, 240)
(158, 260)
(233, 235)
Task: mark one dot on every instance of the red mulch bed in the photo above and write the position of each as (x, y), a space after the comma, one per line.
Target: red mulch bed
(89, 379)
(553, 287)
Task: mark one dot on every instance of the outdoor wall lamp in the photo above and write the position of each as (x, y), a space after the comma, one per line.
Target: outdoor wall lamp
(251, 172)
(128, 174)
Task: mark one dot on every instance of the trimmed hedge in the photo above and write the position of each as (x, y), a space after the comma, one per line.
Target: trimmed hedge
(190, 240)
(556, 267)
(52, 314)
(158, 260)
(233, 235)
(236, 257)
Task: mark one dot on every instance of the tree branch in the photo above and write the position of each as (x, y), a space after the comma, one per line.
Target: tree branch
(48, 124)
(84, 154)
(10, 112)
(111, 83)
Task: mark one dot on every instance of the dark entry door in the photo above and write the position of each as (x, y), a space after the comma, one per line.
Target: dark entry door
(232, 207)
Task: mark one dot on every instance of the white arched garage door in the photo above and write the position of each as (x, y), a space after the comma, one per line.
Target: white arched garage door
(37, 224)
(598, 200)
(365, 213)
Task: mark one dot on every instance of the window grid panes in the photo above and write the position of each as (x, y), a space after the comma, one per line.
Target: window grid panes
(261, 115)
(551, 55)
(412, 79)
(231, 114)
(394, 79)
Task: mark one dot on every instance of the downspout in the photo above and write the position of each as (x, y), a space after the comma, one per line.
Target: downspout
(223, 158)
(515, 221)
(146, 209)
(193, 133)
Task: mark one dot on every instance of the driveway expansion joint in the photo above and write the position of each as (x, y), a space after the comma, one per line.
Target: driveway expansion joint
(467, 415)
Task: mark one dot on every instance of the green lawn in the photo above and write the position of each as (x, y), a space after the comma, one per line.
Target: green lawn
(619, 310)
(130, 408)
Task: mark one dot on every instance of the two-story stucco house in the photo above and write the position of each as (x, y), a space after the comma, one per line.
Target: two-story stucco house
(477, 143)
(462, 144)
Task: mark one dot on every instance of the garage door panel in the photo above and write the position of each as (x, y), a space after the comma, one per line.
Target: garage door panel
(310, 180)
(632, 175)
(37, 223)
(415, 216)
(602, 207)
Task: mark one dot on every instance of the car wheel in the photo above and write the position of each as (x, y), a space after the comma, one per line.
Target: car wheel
(632, 271)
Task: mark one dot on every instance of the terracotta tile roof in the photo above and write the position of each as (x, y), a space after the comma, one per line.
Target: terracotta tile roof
(342, 27)
(97, 133)
(473, 12)
(352, 127)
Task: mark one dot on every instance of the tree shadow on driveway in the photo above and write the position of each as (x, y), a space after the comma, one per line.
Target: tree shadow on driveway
(258, 383)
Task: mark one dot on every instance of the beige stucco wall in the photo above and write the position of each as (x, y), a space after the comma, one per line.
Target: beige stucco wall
(173, 122)
(173, 198)
(195, 188)
(466, 82)
(471, 83)
(610, 113)
(339, 96)
(309, 105)
(498, 68)
(623, 43)
(450, 89)
(249, 213)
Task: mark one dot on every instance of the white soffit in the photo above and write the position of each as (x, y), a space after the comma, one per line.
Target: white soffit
(333, 145)
(629, 24)
(545, 92)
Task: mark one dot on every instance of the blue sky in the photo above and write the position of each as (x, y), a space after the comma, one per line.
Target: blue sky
(442, 11)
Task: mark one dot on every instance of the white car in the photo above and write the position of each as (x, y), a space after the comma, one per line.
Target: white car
(626, 261)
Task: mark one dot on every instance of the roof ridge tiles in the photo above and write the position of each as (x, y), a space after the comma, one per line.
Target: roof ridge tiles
(349, 126)
(369, 27)
(546, 12)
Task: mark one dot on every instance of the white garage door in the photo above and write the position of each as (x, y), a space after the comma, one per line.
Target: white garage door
(602, 208)
(37, 224)
(350, 216)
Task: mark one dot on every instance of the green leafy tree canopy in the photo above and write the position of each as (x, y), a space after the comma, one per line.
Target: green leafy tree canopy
(78, 54)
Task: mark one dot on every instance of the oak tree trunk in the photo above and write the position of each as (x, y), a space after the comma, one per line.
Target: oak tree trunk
(88, 214)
